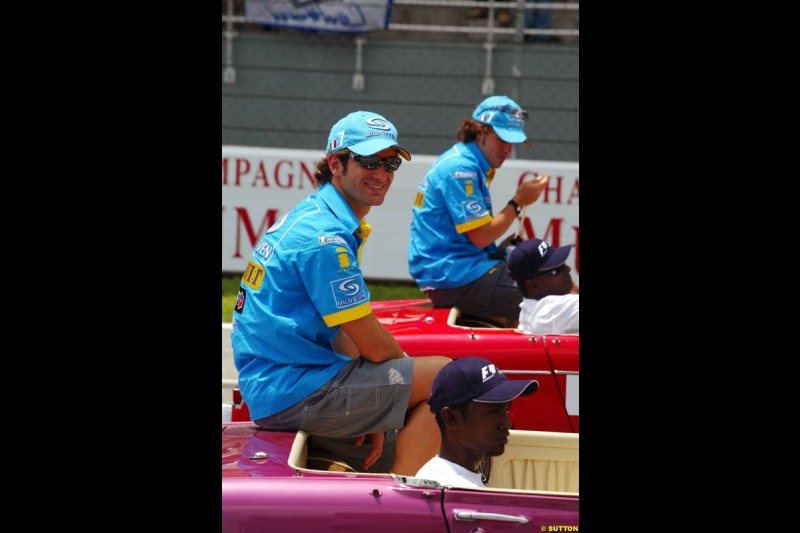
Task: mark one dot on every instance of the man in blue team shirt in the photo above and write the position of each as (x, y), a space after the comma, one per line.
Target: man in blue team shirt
(310, 354)
(452, 253)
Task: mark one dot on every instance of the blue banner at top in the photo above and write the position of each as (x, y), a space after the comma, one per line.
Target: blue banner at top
(340, 16)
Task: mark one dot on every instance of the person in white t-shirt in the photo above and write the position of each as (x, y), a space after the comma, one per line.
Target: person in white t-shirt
(470, 399)
(551, 301)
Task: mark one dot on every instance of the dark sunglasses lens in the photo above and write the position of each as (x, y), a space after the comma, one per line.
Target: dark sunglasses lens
(369, 162)
(392, 163)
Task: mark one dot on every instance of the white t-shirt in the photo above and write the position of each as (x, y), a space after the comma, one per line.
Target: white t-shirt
(551, 314)
(450, 474)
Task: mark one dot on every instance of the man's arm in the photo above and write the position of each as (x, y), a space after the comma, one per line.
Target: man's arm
(527, 193)
(488, 233)
(371, 340)
(343, 344)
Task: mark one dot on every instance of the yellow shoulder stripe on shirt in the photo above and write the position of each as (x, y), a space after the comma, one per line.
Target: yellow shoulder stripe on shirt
(472, 224)
(347, 315)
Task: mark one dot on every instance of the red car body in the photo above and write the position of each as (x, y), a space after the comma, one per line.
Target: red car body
(552, 360)
(267, 485)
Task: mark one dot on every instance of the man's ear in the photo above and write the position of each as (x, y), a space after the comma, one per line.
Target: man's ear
(533, 288)
(450, 417)
(334, 163)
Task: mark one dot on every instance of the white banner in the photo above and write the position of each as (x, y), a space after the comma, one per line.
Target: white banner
(259, 185)
(340, 16)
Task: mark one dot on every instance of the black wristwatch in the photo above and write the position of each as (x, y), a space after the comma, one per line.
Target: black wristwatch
(515, 205)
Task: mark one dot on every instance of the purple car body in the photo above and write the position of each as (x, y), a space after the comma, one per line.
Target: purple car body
(263, 491)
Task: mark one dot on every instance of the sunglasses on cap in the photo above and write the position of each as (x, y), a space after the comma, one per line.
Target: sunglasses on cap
(372, 162)
(512, 111)
(552, 272)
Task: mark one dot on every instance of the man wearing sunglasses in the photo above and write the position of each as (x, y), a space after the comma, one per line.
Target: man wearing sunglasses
(452, 253)
(550, 303)
(310, 354)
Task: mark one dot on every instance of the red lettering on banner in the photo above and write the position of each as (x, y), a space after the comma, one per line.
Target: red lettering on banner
(554, 188)
(304, 173)
(242, 167)
(553, 232)
(243, 218)
(278, 166)
(284, 176)
(551, 187)
(573, 193)
(261, 174)
(308, 174)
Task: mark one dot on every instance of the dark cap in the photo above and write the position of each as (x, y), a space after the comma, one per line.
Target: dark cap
(476, 379)
(532, 256)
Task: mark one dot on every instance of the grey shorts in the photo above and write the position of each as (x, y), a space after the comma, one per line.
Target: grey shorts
(493, 294)
(362, 398)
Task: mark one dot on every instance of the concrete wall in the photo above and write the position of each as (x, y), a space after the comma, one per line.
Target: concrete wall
(292, 86)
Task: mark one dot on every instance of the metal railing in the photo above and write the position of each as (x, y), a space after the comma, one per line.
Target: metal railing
(517, 6)
(519, 31)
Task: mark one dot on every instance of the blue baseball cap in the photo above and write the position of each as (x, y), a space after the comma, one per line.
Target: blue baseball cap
(505, 116)
(475, 379)
(532, 256)
(364, 133)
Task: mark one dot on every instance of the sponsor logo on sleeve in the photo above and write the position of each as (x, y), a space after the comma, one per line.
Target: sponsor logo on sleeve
(253, 275)
(472, 209)
(263, 251)
(323, 240)
(462, 175)
(469, 189)
(344, 256)
(240, 301)
(348, 291)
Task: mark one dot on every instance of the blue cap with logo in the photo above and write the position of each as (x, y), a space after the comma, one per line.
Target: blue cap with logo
(364, 133)
(532, 256)
(505, 116)
(475, 379)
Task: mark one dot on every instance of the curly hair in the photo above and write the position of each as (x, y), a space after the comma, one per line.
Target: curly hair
(470, 129)
(323, 173)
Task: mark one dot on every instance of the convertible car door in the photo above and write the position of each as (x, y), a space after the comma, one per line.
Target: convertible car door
(466, 510)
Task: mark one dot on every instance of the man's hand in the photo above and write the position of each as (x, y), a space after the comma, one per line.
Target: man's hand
(530, 190)
(377, 448)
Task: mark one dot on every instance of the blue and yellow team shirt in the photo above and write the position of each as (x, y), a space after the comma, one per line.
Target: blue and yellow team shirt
(302, 280)
(452, 199)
